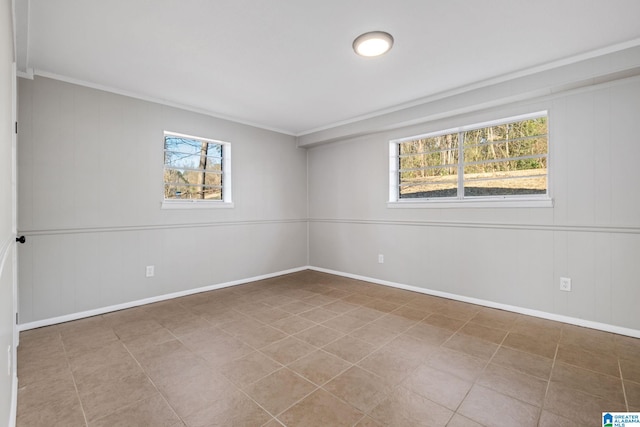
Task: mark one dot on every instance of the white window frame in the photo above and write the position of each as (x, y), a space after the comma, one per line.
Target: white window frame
(226, 201)
(533, 200)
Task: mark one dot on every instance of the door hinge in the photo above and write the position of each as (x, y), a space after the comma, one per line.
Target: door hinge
(16, 128)
(16, 318)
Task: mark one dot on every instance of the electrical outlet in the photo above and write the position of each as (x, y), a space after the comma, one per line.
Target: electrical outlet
(565, 284)
(380, 259)
(150, 272)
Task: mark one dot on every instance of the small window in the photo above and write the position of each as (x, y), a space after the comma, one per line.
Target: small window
(196, 169)
(506, 159)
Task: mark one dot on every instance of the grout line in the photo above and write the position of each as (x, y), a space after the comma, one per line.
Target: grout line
(73, 378)
(624, 390)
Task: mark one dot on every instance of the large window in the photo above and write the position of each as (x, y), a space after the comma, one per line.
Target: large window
(196, 169)
(506, 159)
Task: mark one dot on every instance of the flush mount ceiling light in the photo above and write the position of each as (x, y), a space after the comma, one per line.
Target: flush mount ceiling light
(374, 43)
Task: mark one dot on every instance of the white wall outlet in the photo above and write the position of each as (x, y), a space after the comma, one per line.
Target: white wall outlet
(565, 284)
(380, 259)
(151, 270)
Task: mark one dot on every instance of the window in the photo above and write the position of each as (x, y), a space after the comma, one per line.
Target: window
(196, 170)
(505, 159)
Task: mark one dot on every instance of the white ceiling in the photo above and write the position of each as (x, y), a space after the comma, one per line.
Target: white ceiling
(288, 65)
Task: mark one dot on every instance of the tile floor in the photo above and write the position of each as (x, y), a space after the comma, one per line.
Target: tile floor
(312, 349)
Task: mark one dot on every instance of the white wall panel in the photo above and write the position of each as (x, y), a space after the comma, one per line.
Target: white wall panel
(511, 256)
(90, 191)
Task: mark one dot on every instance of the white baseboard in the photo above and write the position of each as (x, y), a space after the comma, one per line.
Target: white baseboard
(521, 310)
(515, 309)
(111, 308)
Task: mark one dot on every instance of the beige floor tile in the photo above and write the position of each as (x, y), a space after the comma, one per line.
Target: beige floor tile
(87, 339)
(340, 307)
(604, 386)
(472, 346)
(495, 319)
(458, 310)
(459, 364)
(319, 300)
(548, 419)
(349, 348)
(42, 363)
(220, 317)
(438, 386)
(288, 350)
(491, 408)
(171, 357)
(320, 409)
(261, 336)
(318, 315)
(535, 327)
(531, 344)
(390, 363)
(231, 409)
(153, 411)
(297, 307)
(632, 391)
(50, 400)
(345, 323)
(319, 335)
(584, 409)
(476, 330)
(319, 366)
(194, 390)
(417, 358)
(101, 397)
(515, 384)
(270, 315)
(527, 363)
(359, 388)
(293, 324)
(62, 410)
(459, 421)
(411, 313)
(429, 333)
(374, 334)
(279, 390)
(368, 422)
(396, 323)
(444, 322)
(249, 369)
(405, 408)
(627, 347)
(578, 356)
(630, 368)
(367, 314)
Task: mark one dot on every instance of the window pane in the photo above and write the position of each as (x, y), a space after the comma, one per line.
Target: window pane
(506, 187)
(428, 167)
(430, 187)
(193, 168)
(189, 192)
(507, 159)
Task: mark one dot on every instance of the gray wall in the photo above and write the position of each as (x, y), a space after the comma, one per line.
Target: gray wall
(89, 200)
(510, 256)
(7, 244)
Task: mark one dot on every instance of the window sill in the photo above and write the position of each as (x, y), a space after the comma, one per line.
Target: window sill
(195, 204)
(493, 202)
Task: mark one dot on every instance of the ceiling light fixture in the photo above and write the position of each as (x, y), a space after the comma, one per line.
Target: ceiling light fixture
(374, 43)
